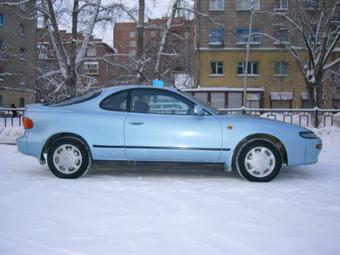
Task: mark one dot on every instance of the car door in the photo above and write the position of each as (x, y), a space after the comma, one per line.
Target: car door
(107, 127)
(162, 126)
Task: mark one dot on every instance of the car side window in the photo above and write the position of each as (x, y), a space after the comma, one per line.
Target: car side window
(115, 102)
(156, 101)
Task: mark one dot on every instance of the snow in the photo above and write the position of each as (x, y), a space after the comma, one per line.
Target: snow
(9, 133)
(281, 95)
(131, 210)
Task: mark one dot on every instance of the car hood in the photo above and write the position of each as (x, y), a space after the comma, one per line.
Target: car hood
(258, 123)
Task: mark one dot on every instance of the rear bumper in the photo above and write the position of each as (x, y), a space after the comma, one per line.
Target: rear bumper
(22, 144)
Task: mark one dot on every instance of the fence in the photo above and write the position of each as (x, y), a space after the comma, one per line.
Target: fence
(302, 117)
(10, 117)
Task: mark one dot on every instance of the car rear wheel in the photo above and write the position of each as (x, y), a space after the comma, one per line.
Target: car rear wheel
(258, 161)
(68, 158)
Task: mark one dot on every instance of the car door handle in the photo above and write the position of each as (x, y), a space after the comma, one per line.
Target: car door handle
(136, 122)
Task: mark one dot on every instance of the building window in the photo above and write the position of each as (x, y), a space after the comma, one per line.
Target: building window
(91, 67)
(253, 68)
(1, 102)
(132, 33)
(42, 51)
(253, 100)
(132, 53)
(216, 68)
(1, 19)
(22, 30)
(235, 99)
(281, 99)
(305, 101)
(281, 5)
(242, 36)
(311, 4)
(91, 52)
(153, 34)
(22, 102)
(22, 79)
(89, 81)
(217, 99)
(216, 36)
(313, 35)
(203, 96)
(186, 35)
(22, 55)
(132, 43)
(281, 35)
(246, 5)
(216, 5)
(281, 68)
(22, 6)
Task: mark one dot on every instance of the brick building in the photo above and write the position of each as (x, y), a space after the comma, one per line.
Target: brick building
(180, 40)
(95, 70)
(17, 54)
(273, 76)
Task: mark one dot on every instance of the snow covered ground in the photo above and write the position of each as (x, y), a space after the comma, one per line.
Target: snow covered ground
(170, 212)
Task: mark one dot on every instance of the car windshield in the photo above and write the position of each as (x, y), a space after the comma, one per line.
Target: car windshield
(204, 104)
(77, 99)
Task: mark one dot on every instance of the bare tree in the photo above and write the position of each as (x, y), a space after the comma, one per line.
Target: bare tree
(82, 15)
(315, 30)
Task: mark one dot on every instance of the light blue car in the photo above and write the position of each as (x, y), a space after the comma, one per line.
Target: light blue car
(143, 123)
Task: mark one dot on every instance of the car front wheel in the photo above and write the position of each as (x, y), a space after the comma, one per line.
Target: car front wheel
(258, 161)
(68, 158)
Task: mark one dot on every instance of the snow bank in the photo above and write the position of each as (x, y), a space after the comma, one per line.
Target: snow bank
(134, 210)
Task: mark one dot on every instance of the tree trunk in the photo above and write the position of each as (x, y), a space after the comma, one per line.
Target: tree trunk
(140, 29)
(71, 81)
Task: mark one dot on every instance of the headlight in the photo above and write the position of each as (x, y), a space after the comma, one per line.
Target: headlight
(308, 135)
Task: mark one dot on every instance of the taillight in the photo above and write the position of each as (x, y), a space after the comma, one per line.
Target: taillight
(27, 123)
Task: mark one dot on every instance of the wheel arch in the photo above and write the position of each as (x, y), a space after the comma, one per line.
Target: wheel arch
(262, 136)
(63, 135)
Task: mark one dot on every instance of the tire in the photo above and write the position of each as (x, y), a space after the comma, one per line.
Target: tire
(68, 158)
(258, 161)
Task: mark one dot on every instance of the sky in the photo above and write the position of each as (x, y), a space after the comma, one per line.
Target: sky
(154, 9)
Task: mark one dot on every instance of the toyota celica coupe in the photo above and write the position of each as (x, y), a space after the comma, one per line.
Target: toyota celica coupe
(158, 125)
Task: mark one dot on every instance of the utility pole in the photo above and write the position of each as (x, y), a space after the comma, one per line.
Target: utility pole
(252, 3)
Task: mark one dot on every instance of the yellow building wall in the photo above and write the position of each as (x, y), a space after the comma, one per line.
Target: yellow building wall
(267, 79)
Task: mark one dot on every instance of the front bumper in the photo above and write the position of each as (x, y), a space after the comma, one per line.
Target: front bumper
(312, 150)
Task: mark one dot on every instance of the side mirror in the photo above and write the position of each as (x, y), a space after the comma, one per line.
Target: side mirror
(198, 110)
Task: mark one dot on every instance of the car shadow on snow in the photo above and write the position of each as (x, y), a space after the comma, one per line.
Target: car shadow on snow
(182, 171)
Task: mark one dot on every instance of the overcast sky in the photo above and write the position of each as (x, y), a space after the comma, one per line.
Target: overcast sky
(154, 9)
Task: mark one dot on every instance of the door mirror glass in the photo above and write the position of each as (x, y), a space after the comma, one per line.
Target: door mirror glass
(198, 110)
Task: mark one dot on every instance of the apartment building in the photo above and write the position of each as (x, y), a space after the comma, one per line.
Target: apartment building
(95, 70)
(180, 41)
(17, 54)
(273, 79)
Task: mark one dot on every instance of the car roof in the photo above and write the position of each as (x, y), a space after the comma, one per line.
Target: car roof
(122, 87)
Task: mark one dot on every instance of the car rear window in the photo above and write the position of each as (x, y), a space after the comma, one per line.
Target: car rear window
(78, 99)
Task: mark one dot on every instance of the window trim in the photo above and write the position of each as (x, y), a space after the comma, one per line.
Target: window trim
(129, 97)
(280, 63)
(216, 74)
(128, 101)
(218, 32)
(280, 8)
(166, 91)
(251, 68)
(216, 10)
(22, 30)
(252, 36)
(256, 7)
(2, 19)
